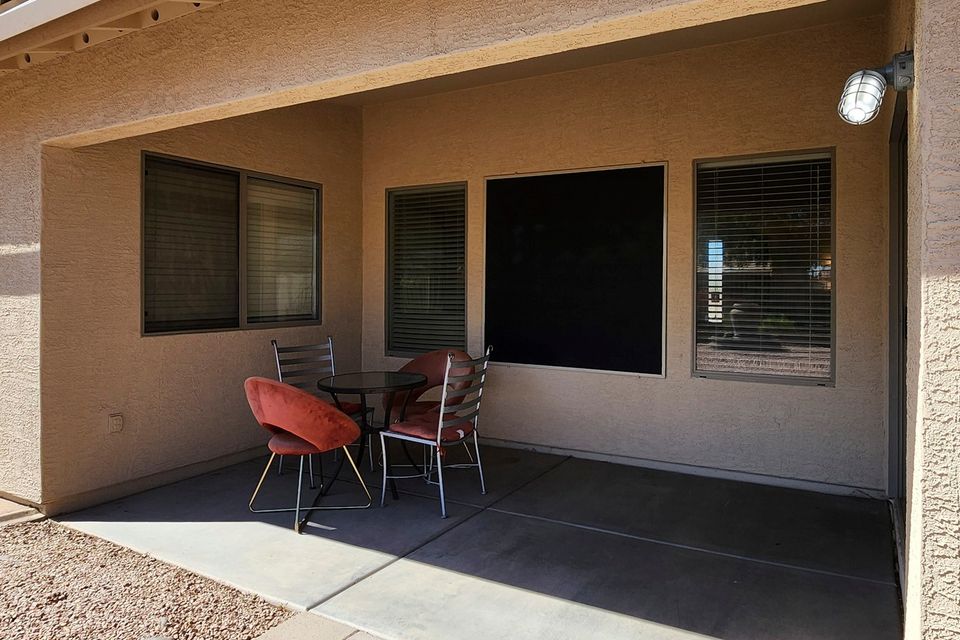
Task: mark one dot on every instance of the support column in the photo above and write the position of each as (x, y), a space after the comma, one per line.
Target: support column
(933, 533)
(20, 322)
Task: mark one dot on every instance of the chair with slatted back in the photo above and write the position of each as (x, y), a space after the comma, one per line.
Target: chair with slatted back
(451, 424)
(301, 366)
(433, 365)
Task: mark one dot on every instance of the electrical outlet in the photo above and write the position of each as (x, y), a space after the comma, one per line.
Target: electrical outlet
(115, 423)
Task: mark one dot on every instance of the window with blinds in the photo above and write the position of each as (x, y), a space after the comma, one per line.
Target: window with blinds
(281, 252)
(764, 277)
(426, 306)
(210, 234)
(191, 232)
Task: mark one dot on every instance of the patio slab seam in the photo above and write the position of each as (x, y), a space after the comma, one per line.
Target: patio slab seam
(677, 545)
(479, 510)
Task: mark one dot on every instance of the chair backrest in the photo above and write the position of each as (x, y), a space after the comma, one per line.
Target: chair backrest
(433, 365)
(280, 407)
(463, 383)
(302, 365)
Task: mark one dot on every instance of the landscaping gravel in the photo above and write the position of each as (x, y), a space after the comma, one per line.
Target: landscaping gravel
(59, 583)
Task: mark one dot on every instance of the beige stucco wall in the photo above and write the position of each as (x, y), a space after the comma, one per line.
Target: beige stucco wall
(933, 556)
(770, 94)
(181, 395)
(237, 58)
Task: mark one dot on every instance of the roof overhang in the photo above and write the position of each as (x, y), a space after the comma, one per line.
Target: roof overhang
(34, 31)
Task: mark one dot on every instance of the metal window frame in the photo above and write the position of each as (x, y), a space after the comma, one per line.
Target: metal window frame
(242, 175)
(770, 378)
(387, 288)
(664, 258)
(897, 309)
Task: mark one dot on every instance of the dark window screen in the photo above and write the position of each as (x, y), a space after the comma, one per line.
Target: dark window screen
(191, 231)
(574, 269)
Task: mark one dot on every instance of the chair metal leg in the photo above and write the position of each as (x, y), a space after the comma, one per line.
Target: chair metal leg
(280, 467)
(297, 525)
(383, 488)
(260, 483)
(476, 447)
(363, 485)
(443, 503)
(313, 485)
(370, 447)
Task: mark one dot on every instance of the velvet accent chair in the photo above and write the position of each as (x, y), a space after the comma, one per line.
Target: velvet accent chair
(301, 366)
(433, 365)
(452, 423)
(300, 424)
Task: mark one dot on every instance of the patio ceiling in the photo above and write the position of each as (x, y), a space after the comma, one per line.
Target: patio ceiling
(34, 31)
(701, 35)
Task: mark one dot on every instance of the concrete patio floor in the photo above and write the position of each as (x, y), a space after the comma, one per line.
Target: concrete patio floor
(558, 548)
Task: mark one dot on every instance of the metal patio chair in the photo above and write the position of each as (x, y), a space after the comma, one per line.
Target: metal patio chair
(300, 424)
(433, 365)
(301, 366)
(451, 424)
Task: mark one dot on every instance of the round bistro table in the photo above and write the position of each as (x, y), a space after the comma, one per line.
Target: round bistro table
(364, 383)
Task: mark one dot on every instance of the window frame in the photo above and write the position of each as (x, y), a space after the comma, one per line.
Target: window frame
(242, 175)
(769, 378)
(388, 262)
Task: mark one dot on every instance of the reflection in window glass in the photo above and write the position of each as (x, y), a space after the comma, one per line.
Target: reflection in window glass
(764, 267)
(281, 252)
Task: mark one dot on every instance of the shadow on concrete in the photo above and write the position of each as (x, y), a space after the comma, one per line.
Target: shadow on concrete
(557, 544)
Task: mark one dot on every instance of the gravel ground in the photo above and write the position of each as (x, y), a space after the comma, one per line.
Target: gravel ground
(59, 583)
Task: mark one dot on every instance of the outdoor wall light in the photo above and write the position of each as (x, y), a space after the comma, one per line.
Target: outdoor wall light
(863, 92)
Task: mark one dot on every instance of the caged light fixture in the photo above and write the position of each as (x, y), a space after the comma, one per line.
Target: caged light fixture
(863, 92)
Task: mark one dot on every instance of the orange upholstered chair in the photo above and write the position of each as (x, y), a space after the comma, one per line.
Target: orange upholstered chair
(452, 423)
(433, 365)
(301, 366)
(300, 424)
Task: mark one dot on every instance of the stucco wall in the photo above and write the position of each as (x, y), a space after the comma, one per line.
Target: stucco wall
(181, 396)
(186, 71)
(20, 318)
(933, 566)
(770, 94)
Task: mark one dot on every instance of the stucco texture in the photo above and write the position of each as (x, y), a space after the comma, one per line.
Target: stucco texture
(933, 553)
(188, 71)
(181, 396)
(777, 93)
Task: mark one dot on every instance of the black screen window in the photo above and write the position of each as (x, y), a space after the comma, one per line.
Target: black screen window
(574, 269)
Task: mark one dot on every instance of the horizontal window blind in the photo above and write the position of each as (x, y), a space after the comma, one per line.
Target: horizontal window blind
(425, 281)
(281, 251)
(191, 275)
(764, 302)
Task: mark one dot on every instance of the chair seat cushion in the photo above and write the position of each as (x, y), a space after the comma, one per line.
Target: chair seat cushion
(425, 426)
(414, 409)
(287, 444)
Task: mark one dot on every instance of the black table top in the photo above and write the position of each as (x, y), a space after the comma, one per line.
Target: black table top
(371, 382)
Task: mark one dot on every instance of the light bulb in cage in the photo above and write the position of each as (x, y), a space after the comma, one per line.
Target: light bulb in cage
(863, 92)
(862, 97)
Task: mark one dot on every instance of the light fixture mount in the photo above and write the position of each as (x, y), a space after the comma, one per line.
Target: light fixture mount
(863, 92)
(899, 73)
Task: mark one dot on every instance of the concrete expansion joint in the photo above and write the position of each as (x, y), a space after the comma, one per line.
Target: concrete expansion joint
(442, 532)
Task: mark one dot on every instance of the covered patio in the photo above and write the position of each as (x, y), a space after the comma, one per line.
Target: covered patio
(558, 548)
(705, 440)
